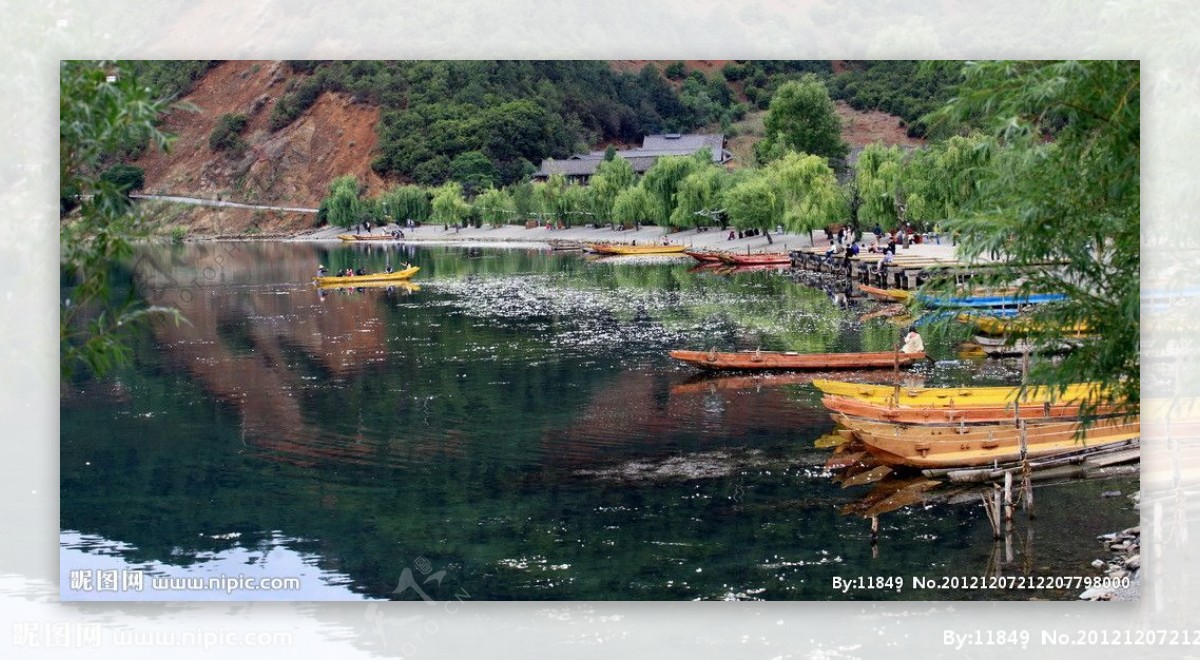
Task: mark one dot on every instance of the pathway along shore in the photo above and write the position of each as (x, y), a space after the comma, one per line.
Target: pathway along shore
(710, 239)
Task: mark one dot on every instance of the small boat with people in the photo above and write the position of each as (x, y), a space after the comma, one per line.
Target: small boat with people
(790, 360)
(343, 280)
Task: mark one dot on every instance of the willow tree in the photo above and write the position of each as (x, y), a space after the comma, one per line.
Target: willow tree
(401, 203)
(663, 178)
(810, 197)
(1062, 189)
(612, 176)
(698, 197)
(99, 117)
(754, 204)
(634, 205)
(494, 206)
(344, 206)
(879, 180)
(560, 199)
(448, 205)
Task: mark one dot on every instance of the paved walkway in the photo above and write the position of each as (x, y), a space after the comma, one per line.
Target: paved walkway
(712, 239)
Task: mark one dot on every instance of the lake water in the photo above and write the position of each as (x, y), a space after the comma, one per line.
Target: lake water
(508, 427)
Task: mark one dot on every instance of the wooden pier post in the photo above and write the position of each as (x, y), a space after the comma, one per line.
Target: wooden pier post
(874, 530)
(1008, 498)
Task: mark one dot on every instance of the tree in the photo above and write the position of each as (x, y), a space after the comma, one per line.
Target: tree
(1062, 187)
(494, 206)
(753, 204)
(802, 118)
(344, 205)
(100, 116)
(634, 206)
(401, 203)
(809, 193)
(474, 171)
(879, 182)
(612, 176)
(448, 205)
(698, 197)
(664, 176)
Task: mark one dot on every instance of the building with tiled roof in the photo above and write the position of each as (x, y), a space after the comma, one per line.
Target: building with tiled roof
(579, 168)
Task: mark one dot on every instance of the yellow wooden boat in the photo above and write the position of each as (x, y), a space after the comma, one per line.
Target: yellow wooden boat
(949, 451)
(351, 280)
(640, 250)
(961, 397)
(894, 295)
(1015, 326)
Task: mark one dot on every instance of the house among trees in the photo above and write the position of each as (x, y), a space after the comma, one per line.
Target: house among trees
(579, 168)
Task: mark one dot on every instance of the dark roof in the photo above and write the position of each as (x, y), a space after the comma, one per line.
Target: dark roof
(641, 158)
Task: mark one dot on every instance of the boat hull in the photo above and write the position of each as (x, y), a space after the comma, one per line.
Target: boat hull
(941, 415)
(779, 360)
(974, 449)
(702, 256)
(893, 295)
(637, 250)
(351, 280)
(754, 260)
(950, 397)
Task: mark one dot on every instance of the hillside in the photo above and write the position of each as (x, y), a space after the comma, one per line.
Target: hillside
(337, 135)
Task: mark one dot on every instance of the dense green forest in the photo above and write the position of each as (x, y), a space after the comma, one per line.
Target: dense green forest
(494, 121)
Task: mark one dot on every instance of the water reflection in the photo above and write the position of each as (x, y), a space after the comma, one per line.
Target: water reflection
(511, 418)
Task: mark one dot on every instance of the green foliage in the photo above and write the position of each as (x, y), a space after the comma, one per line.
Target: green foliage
(878, 180)
(662, 179)
(802, 118)
(170, 79)
(474, 171)
(634, 206)
(698, 197)
(561, 200)
(753, 203)
(448, 205)
(901, 87)
(344, 206)
(675, 71)
(1062, 186)
(124, 177)
(97, 118)
(808, 192)
(401, 203)
(612, 176)
(495, 207)
(226, 135)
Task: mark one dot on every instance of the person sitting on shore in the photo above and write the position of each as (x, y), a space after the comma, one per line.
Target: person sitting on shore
(360, 271)
(321, 271)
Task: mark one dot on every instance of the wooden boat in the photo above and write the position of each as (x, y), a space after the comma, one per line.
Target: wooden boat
(1013, 326)
(752, 260)
(894, 295)
(368, 237)
(613, 249)
(943, 415)
(788, 360)
(1016, 346)
(981, 448)
(704, 256)
(949, 397)
(988, 301)
(343, 280)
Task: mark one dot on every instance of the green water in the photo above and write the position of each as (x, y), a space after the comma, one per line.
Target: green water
(510, 428)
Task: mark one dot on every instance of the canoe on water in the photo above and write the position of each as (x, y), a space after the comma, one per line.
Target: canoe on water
(751, 260)
(988, 301)
(1014, 325)
(962, 397)
(368, 237)
(636, 250)
(1016, 346)
(343, 280)
(787, 360)
(943, 415)
(949, 451)
(894, 295)
(704, 256)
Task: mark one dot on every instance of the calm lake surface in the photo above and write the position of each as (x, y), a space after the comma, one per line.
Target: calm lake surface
(509, 427)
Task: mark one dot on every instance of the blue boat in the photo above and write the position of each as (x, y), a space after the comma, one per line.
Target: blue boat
(998, 302)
